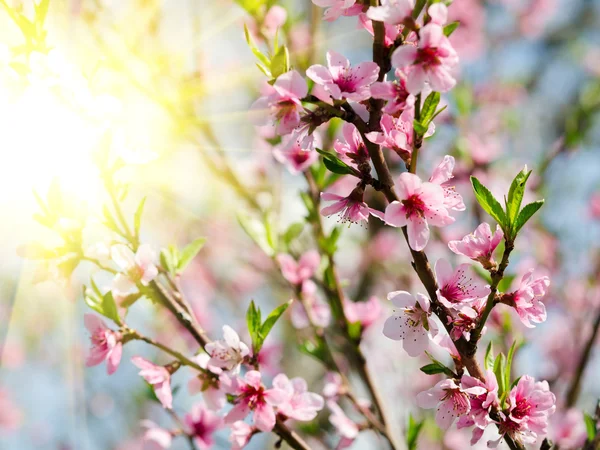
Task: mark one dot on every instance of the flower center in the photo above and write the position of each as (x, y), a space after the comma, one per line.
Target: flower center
(428, 57)
(253, 397)
(414, 206)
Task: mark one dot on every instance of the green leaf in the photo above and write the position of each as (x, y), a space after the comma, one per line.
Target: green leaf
(514, 383)
(420, 4)
(488, 202)
(449, 29)
(509, 359)
(590, 427)
(293, 231)
(104, 305)
(280, 63)
(189, 253)
(253, 321)
(526, 213)
(429, 107)
(272, 318)
(499, 366)
(270, 231)
(412, 432)
(317, 350)
(41, 11)
(435, 368)
(256, 231)
(168, 260)
(334, 164)
(515, 195)
(137, 218)
(354, 330)
(262, 58)
(488, 361)
(419, 128)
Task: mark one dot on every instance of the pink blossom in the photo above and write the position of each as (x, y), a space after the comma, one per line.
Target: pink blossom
(364, 312)
(139, 267)
(352, 149)
(241, 433)
(420, 204)
(337, 8)
(200, 423)
(530, 404)
(469, 38)
(451, 400)
(284, 101)
(466, 319)
(319, 310)
(458, 288)
(434, 58)
(346, 428)
(442, 175)
(155, 437)
(341, 80)
(395, 134)
(481, 404)
(526, 299)
(298, 272)
(395, 92)
(351, 209)
(10, 415)
(568, 430)
(479, 245)
(411, 324)
(594, 206)
(106, 344)
(391, 31)
(298, 404)
(228, 353)
(212, 392)
(252, 396)
(333, 385)
(158, 377)
(393, 12)
(274, 20)
(296, 153)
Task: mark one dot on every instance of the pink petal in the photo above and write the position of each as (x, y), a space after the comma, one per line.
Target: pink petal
(418, 233)
(404, 56)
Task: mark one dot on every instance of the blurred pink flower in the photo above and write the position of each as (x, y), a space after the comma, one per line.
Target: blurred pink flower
(158, 377)
(241, 433)
(298, 272)
(155, 437)
(364, 312)
(337, 8)
(319, 310)
(395, 92)
(421, 204)
(594, 205)
(393, 12)
(10, 415)
(296, 156)
(346, 427)
(341, 80)
(210, 387)
(201, 423)
(298, 404)
(479, 245)
(567, 429)
(106, 344)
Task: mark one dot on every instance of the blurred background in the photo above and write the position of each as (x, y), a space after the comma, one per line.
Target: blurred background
(173, 81)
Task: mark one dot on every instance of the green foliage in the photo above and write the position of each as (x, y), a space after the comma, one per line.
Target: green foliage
(513, 218)
(590, 427)
(258, 232)
(436, 367)
(260, 330)
(292, 233)
(189, 253)
(488, 361)
(334, 164)
(274, 64)
(412, 432)
(502, 366)
(137, 218)
(102, 304)
(451, 27)
(427, 114)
